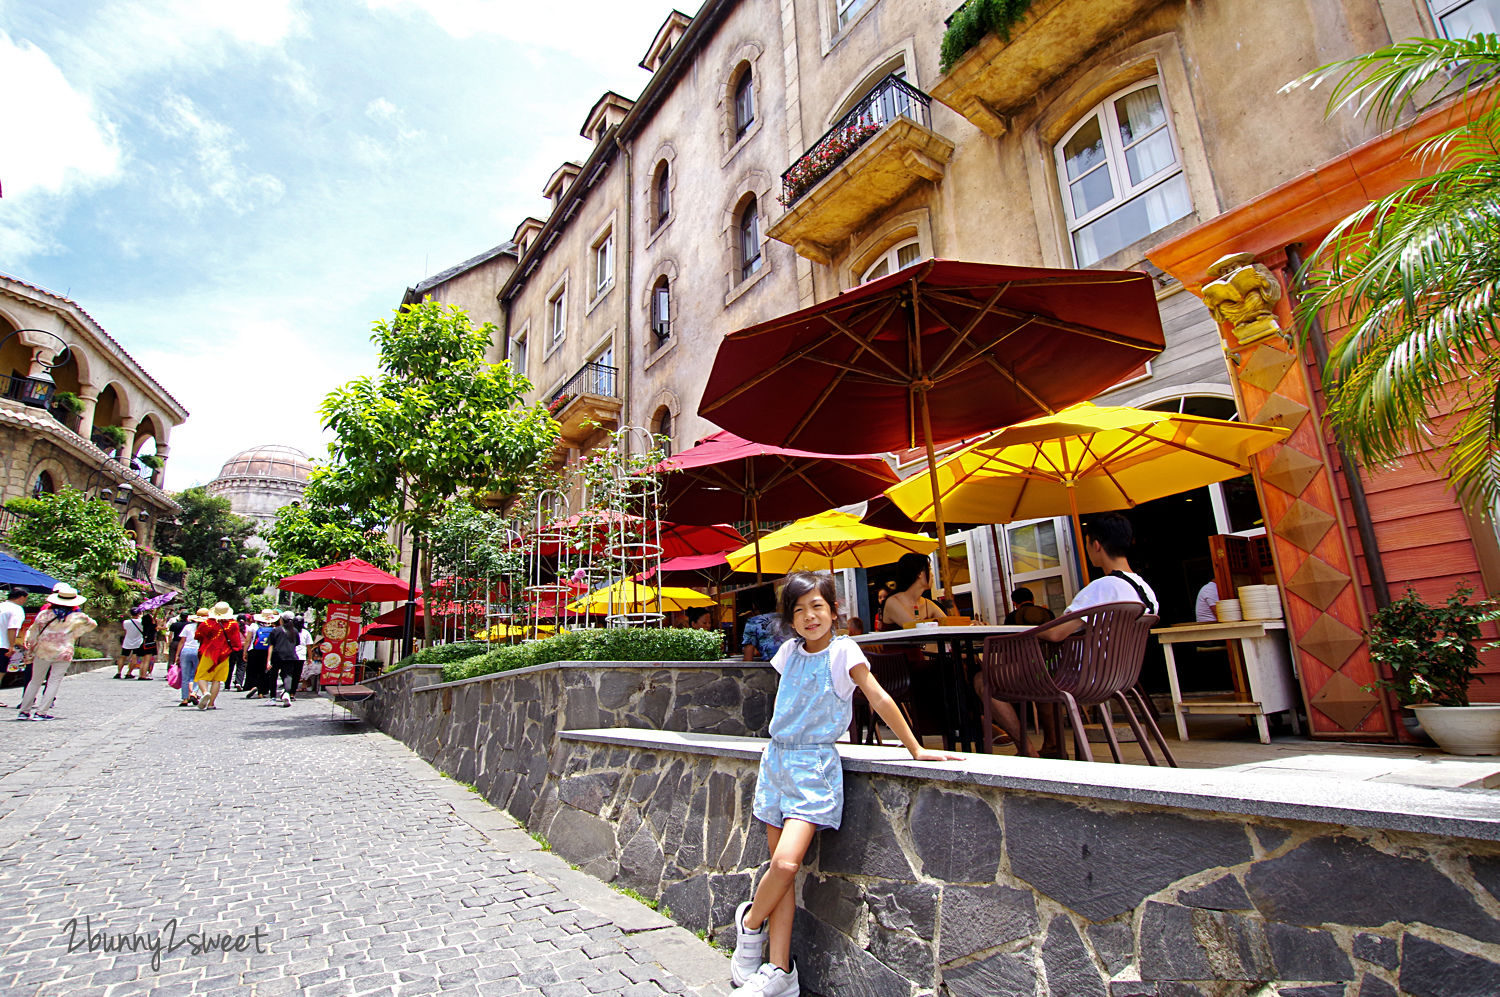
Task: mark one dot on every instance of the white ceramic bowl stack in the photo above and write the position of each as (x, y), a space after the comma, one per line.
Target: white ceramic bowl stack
(1228, 610)
(1260, 602)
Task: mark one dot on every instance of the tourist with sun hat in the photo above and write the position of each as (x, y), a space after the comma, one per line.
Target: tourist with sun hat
(50, 642)
(218, 638)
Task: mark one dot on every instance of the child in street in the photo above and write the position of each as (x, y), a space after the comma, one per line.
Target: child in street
(800, 787)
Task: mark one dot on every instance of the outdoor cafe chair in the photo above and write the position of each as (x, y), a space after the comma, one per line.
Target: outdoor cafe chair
(1098, 666)
(892, 669)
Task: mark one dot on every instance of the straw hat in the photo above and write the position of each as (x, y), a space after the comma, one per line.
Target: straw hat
(200, 615)
(221, 611)
(267, 616)
(64, 594)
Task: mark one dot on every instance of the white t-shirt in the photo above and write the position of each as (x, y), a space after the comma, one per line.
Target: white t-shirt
(190, 637)
(11, 618)
(843, 656)
(135, 635)
(304, 641)
(1208, 597)
(1111, 589)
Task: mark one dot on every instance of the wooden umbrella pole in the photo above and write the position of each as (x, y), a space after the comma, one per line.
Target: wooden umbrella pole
(755, 529)
(937, 498)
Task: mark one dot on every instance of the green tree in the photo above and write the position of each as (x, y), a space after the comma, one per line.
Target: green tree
(439, 422)
(1414, 274)
(78, 540)
(214, 543)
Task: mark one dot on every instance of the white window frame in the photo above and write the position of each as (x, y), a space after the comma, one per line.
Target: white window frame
(661, 315)
(1443, 8)
(745, 261)
(557, 314)
(604, 262)
(892, 259)
(661, 193)
(518, 342)
(1114, 159)
(845, 11)
(743, 125)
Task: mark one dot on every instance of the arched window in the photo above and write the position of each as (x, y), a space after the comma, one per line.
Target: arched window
(663, 429)
(893, 259)
(749, 239)
(662, 193)
(744, 101)
(43, 484)
(661, 310)
(1120, 172)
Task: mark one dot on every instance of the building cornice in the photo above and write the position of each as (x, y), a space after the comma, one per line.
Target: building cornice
(15, 414)
(71, 312)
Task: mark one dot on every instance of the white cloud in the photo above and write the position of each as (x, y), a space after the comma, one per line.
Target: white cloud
(251, 380)
(214, 147)
(59, 142)
(131, 37)
(593, 30)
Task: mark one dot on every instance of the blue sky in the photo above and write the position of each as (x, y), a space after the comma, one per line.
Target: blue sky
(236, 190)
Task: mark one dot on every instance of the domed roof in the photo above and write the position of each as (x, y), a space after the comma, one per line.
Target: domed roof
(272, 461)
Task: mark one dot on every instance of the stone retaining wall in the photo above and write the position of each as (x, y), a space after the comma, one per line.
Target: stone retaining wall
(938, 884)
(993, 876)
(500, 731)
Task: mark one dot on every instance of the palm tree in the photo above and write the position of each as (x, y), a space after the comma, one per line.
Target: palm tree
(1415, 275)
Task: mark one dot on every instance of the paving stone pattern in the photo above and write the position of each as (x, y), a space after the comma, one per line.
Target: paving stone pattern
(363, 870)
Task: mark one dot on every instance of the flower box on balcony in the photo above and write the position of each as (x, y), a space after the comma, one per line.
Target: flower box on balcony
(866, 182)
(997, 76)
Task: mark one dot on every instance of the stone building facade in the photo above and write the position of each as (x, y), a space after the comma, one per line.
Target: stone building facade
(782, 152)
(108, 448)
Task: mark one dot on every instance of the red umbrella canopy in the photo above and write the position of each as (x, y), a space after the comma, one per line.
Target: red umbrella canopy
(724, 477)
(676, 539)
(983, 345)
(353, 580)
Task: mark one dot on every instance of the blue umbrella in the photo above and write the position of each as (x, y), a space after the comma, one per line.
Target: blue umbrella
(19, 574)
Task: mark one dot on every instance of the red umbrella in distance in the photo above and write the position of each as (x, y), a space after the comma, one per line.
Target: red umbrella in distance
(676, 539)
(350, 581)
(937, 352)
(723, 477)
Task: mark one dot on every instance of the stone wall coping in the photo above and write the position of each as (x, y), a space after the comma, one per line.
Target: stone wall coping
(564, 665)
(401, 671)
(1466, 813)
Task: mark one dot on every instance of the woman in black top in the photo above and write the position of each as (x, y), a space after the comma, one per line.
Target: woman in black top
(284, 640)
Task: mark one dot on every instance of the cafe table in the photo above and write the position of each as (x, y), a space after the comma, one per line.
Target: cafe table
(1269, 685)
(955, 643)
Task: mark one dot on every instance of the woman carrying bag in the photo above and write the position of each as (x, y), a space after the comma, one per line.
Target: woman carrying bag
(218, 638)
(50, 642)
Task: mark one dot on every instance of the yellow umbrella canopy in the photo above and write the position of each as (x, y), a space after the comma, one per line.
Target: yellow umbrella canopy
(829, 540)
(1087, 458)
(630, 596)
(509, 631)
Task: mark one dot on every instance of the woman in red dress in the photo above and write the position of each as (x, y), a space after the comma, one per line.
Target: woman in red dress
(218, 637)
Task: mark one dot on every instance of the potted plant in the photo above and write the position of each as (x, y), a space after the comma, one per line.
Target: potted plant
(151, 461)
(1431, 653)
(110, 439)
(66, 408)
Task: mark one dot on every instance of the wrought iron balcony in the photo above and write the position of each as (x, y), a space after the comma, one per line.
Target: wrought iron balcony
(892, 98)
(586, 400)
(860, 167)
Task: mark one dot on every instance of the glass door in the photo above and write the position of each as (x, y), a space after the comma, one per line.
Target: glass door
(1038, 554)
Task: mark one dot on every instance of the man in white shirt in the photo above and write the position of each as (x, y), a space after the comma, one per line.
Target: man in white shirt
(1107, 537)
(12, 616)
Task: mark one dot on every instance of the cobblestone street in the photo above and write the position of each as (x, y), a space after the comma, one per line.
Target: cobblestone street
(337, 860)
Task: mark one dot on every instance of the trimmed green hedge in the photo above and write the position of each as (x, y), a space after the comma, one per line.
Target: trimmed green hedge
(81, 653)
(623, 644)
(975, 19)
(442, 654)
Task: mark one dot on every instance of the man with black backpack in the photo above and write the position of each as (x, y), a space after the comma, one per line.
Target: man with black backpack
(1107, 538)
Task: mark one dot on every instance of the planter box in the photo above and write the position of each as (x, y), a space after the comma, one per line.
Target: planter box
(995, 77)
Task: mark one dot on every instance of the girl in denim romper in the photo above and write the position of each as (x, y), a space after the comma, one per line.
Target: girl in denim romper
(800, 787)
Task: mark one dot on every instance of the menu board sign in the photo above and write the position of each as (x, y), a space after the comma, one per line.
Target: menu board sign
(339, 648)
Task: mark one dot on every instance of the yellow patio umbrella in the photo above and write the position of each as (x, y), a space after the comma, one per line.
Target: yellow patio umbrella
(829, 540)
(631, 596)
(1087, 458)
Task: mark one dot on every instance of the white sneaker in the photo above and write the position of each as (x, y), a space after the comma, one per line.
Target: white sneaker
(770, 981)
(749, 947)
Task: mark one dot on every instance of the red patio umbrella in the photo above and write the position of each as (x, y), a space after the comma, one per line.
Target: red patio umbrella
(933, 353)
(676, 539)
(348, 581)
(724, 477)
